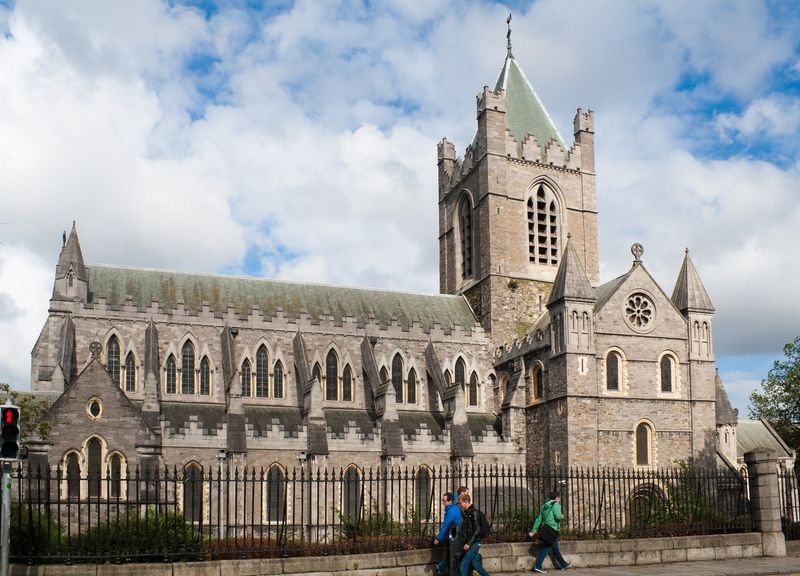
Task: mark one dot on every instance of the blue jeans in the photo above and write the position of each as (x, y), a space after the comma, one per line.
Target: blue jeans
(472, 557)
(559, 559)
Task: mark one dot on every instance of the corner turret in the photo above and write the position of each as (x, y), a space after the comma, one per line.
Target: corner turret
(72, 281)
(691, 298)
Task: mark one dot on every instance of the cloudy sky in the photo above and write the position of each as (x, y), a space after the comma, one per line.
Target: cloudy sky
(297, 140)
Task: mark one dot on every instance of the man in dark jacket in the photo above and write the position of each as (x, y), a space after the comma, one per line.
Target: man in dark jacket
(447, 533)
(470, 535)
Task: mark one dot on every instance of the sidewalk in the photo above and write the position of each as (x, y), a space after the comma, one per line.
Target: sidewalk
(740, 567)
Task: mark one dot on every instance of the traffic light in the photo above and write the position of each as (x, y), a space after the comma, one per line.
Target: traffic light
(9, 431)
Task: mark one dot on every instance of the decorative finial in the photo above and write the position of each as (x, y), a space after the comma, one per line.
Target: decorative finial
(637, 250)
(569, 235)
(95, 348)
(508, 35)
(63, 238)
(687, 252)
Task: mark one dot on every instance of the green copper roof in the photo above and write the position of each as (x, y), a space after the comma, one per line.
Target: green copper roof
(525, 113)
(143, 286)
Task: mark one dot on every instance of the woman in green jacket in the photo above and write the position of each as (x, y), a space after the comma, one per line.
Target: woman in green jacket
(550, 514)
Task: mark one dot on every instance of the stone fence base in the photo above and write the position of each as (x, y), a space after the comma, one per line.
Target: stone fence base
(497, 558)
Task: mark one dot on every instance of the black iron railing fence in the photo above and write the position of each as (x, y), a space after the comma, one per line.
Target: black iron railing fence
(196, 514)
(790, 502)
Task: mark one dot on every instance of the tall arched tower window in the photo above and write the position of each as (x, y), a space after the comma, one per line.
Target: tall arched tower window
(543, 227)
(465, 234)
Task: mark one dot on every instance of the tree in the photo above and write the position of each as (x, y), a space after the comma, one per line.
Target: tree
(31, 408)
(779, 401)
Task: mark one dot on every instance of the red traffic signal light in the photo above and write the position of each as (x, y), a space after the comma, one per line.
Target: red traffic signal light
(9, 431)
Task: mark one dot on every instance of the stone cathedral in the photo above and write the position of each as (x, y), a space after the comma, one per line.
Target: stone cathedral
(524, 357)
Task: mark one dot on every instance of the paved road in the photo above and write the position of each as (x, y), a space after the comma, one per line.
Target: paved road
(743, 567)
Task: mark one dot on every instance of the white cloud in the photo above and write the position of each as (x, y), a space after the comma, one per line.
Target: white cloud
(771, 117)
(25, 287)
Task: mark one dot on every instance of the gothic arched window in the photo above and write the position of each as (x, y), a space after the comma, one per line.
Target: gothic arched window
(411, 387)
(276, 493)
(247, 378)
(262, 372)
(171, 375)
(193, 492)
(187, 368)
(113, 360)
(543, 227)
(332, 376)
(473, 390)
(277, 380)
(130, 373)
(115, 476)
(347, 384)
(465, 233)
(73, 473)
(423, 491)
(351, 488)
(316, 372)
(205, 376)
(397, 377)
(460, 372)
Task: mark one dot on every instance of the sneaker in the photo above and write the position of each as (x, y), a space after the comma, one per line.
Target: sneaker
(567, 565)
(539, 570)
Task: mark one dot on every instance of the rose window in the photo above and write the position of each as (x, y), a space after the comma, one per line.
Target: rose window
(640, 312)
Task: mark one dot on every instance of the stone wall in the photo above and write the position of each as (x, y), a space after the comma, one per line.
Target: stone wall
(497, 558)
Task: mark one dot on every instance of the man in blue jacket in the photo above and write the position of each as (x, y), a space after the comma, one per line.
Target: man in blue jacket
(450, 524)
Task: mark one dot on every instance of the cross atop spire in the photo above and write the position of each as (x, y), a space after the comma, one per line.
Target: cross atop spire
(508, 35)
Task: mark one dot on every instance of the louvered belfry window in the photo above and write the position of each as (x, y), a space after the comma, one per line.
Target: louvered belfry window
(543, 227)
(465, 231)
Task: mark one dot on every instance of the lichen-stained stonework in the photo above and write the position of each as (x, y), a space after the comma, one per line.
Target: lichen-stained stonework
(524, 357)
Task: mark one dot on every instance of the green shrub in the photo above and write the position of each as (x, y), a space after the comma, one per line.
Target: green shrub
(33, 532)
(149, 537)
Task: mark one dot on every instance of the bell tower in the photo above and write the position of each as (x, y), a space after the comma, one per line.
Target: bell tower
(507, 205)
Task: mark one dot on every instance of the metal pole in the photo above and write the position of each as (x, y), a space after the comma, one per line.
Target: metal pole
(5, 519)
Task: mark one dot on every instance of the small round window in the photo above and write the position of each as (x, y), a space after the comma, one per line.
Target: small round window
(640, 312)
(94, 407)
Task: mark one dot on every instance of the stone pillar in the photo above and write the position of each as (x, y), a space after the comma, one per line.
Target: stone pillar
(762, 469)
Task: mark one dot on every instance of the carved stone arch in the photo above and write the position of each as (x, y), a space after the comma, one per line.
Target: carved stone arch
(674, 377)
(622, 388)
(536, 370)
(650, 443)
(106, 338)
(262, 341)
(553, 186)
(246, 354)
(468, 366)
(339, 355)
(171, 350)
(190, 337)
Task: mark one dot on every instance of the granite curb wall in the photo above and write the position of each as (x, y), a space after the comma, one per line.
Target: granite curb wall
(497, 558)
